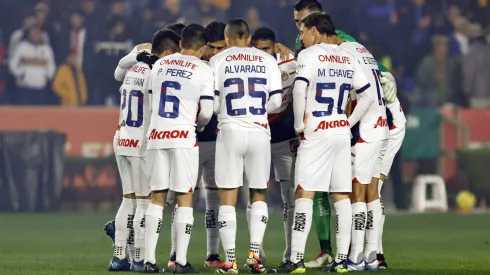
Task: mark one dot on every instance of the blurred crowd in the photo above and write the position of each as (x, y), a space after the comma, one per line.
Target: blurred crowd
(64, 52)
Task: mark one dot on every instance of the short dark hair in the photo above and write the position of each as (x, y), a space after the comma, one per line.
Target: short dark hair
(215, 31)
(237, 29)
(264, 33)
(176, 27)
(320, 20)
(165, 40)
(311, 5)
(193, 37)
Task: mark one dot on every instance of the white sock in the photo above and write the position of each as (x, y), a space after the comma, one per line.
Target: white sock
(372, 230)
(130, 245)
(359, 210)
(173, 232)
(211, 221)
(124, 224)
(258, 221)
(153, 223)
(287, 194)
(343, 210)
(184, 219)
(227, 231)
(247, 213)
(381, 227)
(303, 214)
(139, 229)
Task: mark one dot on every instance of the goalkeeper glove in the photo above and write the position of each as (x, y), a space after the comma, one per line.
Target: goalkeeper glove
(389, 86)
(147, 58)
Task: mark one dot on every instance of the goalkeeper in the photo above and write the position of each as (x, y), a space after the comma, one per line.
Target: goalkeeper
(321, 205)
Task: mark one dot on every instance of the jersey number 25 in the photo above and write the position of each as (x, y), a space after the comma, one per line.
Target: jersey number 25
(252, 81)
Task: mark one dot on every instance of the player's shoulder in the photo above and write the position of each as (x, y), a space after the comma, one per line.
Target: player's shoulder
(311, 51)
(354, 48)
(216, 58)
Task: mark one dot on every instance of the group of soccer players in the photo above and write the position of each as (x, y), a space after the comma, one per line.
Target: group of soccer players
(328, 121)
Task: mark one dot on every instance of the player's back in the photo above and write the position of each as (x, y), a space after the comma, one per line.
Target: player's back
(176, 82)
(245, 78)
(135, 111)
(374, 124)
(331, 73)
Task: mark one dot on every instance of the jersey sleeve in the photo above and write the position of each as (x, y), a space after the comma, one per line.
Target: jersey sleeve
(216, 90)
(276, 79)
(360, 83)
(303, 68)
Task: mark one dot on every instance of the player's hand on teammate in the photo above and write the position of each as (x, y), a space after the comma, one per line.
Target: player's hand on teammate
(147, 58)
(389, 87)
(300, 133)
(283, 51)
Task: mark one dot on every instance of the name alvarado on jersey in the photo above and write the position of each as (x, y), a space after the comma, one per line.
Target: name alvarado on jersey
(134, 115)
(331, 73)
(178, 82)
(373, 126)
(244, 80)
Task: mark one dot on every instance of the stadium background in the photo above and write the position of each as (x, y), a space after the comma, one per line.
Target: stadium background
(57, 123)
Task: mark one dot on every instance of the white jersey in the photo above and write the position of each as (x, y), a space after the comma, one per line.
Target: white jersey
(178, 82)
(134, 116)
(330, 72)
(374, 124)
(288, 72)
(397, 114)
(245, 78)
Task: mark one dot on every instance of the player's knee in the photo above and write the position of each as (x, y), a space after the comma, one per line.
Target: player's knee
(372, 192)
(130, 196)
(185, 199)
(383, 177)
(257, 195)
(303, 194)
(358, 192)
(158, 197)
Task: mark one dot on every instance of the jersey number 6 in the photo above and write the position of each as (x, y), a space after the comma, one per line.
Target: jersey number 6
(252, 81)
(164, 98)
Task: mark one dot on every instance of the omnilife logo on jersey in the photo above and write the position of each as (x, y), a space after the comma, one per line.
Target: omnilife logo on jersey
(155, 134)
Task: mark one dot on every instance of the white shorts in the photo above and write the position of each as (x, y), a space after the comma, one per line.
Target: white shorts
(174, 169)
(205, 177)
(134, 175)
(283, 158)
(366, 162)
(239, 150)
(388, 153)
(322, 165)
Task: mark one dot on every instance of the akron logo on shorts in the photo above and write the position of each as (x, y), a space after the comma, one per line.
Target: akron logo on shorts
(284, 76)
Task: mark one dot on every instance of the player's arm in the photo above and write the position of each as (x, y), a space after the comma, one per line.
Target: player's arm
(275, 94)
(301, 84)
(130, 60)
(206, 102)
(364, 99)
(150, 92)
(216, 91)
(389, 84)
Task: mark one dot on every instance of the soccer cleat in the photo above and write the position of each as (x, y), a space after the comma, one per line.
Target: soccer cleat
(110, 229)
(382, 261)
(171, 261)
(213, 261)
(153, 268)
(351, 266)
(184, 269)
(255, 263)
(322, 259)
(137, 266)
(227, 268)
(337, 267)
(117, 264)
(372, 265)
(290, 267)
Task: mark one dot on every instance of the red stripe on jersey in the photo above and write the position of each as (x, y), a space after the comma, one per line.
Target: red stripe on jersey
(393, 127)
(299, 187)
(280, 116)
(190, 190)
(291, 73)
(361, 140)
(355, 180)
(197, 144)
(285, 61)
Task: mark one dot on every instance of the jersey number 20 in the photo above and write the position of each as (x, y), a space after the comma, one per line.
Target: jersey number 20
(133, 95)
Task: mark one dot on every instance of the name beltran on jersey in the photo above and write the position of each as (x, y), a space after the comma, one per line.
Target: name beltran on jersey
(244, 68)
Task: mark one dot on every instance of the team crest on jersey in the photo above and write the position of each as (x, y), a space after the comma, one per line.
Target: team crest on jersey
(284, 76)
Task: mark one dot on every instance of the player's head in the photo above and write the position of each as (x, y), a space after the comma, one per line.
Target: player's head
(237, 33)
(315, 28)
(264, 39)
(194, 39)
(215, 34)
(303, 8)
(177, 28)
(165, 42)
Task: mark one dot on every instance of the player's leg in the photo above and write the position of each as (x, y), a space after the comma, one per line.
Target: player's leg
(230, 145)
(171, 203)
(283, 161)
(142, 190)
(374, 208)
(183, 179)
(257, 163)
(341, 188)
(159, 170)
(322, 217)
(124, 217)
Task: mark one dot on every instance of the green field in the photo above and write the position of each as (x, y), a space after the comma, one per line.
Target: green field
(76, 244)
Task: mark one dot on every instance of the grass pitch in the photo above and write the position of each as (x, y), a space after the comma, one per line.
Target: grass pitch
(74, 243)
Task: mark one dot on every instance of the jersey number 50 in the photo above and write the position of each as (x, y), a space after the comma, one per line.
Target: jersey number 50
(320, 87)
(133, 94)
(252, 81)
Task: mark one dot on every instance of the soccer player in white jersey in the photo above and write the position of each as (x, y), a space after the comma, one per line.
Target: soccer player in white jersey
(284, 143)
(325, 75)
(247, 86)
(180, 83)
(130, 154)
(370, 113)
